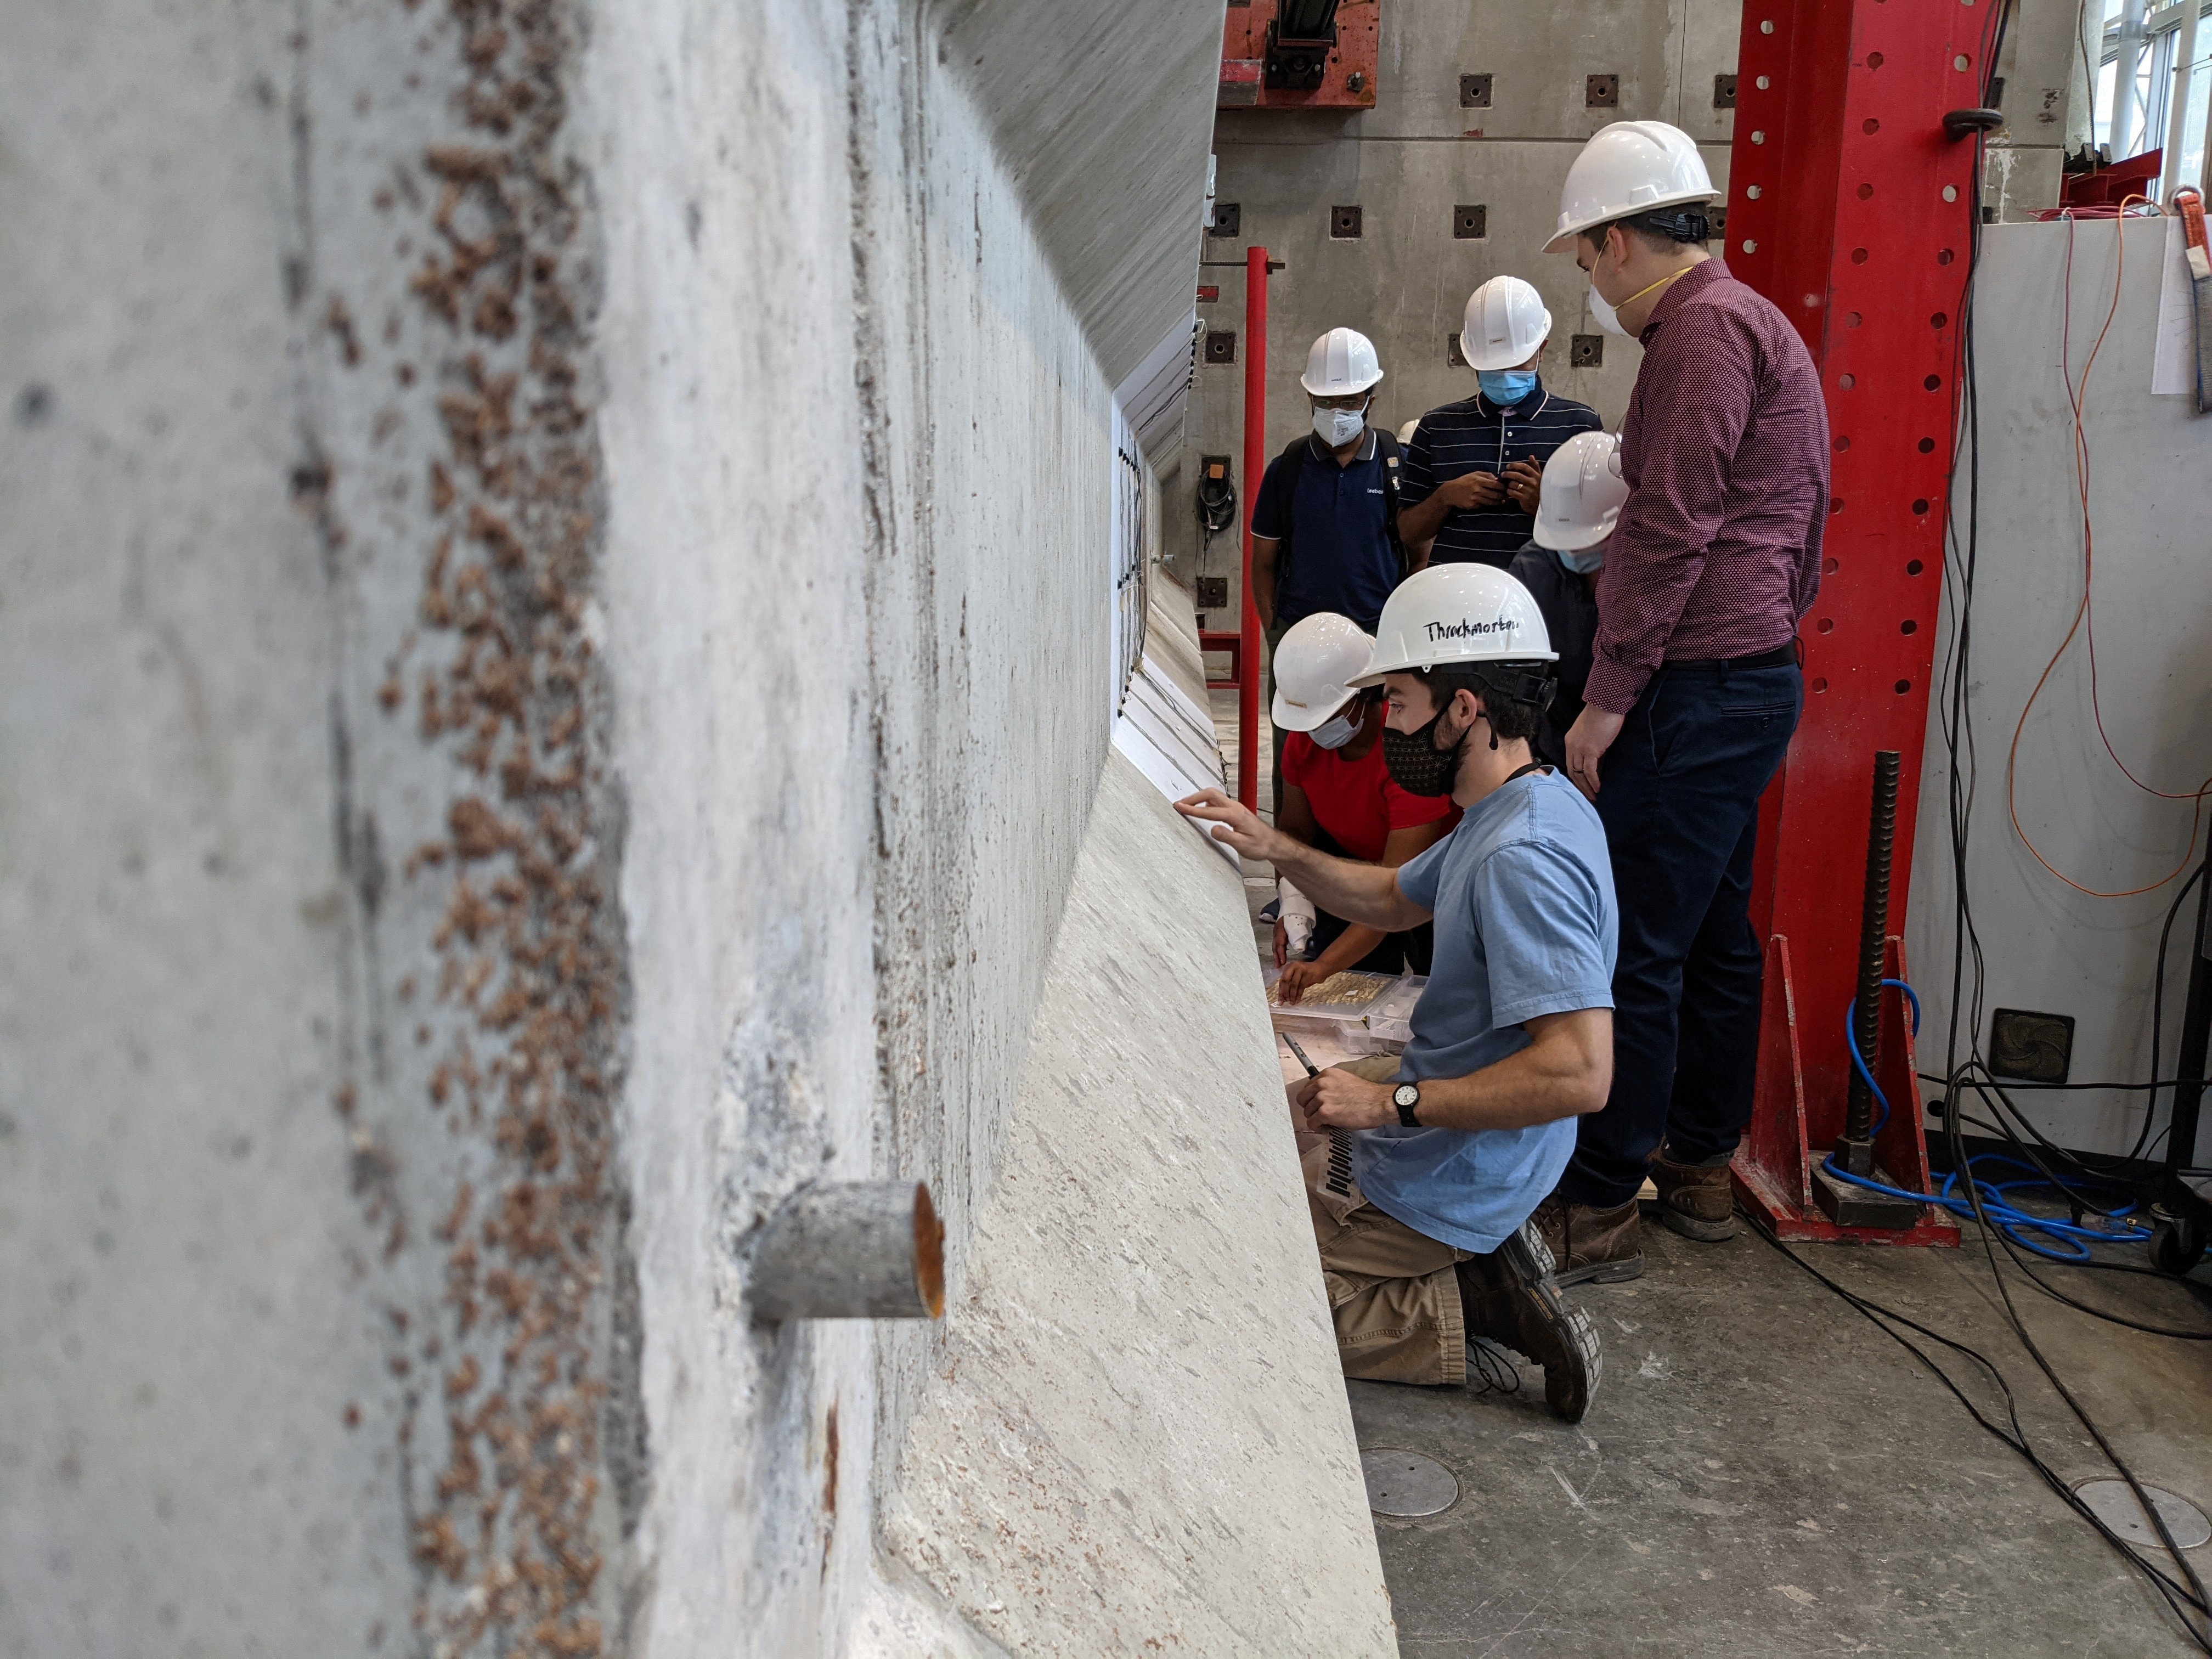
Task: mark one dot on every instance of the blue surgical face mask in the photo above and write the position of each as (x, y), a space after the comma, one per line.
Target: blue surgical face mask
(1584, 561)
(1506, 386)
(1342, 728)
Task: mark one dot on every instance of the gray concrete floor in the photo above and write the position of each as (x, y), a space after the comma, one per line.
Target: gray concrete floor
(1764, 1474)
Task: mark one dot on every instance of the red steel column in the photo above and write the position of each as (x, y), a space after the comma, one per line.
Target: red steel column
(1249, 660)
(1852, 209)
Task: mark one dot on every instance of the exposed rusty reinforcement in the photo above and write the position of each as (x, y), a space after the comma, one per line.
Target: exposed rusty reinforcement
(503, 676)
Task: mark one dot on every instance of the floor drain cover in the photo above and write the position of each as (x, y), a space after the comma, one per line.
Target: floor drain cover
(1406, 1483)
(2115, 1505)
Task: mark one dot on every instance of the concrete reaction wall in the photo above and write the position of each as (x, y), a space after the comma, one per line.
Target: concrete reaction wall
(1419, 154)
(2049, 948)
(554, 606)
(1406, 164)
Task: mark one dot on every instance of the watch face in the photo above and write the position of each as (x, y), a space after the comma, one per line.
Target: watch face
(1407, 1095)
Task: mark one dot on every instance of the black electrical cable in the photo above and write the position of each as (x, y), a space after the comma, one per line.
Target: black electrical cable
(2180, 1599)
(2019, 1087)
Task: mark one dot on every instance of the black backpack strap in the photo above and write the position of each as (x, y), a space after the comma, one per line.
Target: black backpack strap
(1386, 445)
(1293, 460)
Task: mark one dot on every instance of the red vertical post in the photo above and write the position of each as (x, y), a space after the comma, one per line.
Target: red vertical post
(1852, 208)
(1251, 661)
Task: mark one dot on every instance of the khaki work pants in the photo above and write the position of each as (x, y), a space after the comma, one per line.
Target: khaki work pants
(1393, 1293)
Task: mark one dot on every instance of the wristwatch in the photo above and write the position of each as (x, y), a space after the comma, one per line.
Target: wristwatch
(1406, 1097)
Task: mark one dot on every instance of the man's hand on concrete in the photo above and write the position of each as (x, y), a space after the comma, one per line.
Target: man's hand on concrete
(1343, 1100)
(1524, 482)
(1471, 490)
(1588, 739)
(1239, 825)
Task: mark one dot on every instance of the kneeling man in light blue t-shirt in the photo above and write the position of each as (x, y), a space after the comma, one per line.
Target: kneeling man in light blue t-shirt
(1434, 1161)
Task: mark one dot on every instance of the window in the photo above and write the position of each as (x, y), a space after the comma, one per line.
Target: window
(1131, 567)
(2149, 102)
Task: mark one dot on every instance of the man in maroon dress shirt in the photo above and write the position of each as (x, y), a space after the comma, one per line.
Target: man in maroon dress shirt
(1694, 687)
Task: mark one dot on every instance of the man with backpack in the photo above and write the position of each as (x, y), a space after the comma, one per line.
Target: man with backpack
(1325, 520)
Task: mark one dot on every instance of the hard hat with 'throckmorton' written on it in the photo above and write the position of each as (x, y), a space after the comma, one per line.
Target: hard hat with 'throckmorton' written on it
(1341, 363)
(1583, 492)
(1315, 664)
(1628, 168)
(1505, 323)
(1457, 615)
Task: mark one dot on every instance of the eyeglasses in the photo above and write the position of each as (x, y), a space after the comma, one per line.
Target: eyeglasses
(1354, 400)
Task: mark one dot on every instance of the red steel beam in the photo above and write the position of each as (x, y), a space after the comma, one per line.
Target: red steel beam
(1249, 660)
(1852, 209)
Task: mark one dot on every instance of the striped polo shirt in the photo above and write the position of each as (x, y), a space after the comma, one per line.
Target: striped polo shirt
(1475, 435)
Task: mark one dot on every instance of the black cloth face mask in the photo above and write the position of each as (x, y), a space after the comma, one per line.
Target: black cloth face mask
(1417, 765)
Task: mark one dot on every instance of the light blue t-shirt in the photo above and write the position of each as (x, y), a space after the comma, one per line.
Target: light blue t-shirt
(1526, 925)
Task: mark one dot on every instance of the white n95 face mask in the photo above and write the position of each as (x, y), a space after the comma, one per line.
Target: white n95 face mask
(1608, 318)
(1339, 427)
(1336, 733)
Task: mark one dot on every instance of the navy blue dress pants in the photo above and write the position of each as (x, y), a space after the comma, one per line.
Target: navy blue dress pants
(1679, 794)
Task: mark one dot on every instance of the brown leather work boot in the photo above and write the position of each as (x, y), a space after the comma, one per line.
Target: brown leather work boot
(1696, 1201)
(1604, 1246)
(1511, 1297)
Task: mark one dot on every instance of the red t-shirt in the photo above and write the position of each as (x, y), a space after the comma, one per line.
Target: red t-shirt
(1357, 802)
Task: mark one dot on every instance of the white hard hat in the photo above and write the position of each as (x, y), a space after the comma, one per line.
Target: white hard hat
(1629, 168)
(1451, 614)
(1315, 664)
(1582, 492)
(1505, 324)
(1406, 432)
(1341, 363)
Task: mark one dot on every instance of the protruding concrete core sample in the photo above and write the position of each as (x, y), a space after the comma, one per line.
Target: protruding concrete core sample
(2113, 1503)
(851, 1249)
(1406, 1483)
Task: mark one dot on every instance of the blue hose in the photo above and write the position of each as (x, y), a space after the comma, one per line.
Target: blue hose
(1852, 1039)
(2014, 1223)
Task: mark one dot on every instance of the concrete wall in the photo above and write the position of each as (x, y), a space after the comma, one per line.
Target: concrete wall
(2049, 948)
(2045, 98)
(554, 571)
(1406, 163)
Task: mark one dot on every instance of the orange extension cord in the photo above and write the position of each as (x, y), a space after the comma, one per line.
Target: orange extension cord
(2084, 621)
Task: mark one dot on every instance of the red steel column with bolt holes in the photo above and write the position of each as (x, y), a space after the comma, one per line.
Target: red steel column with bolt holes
(1852, 209)
(1249, 660)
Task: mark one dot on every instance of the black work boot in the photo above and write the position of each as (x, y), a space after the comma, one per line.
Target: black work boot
(1602, 1246)
(1696, 1200)
(1511, 1297)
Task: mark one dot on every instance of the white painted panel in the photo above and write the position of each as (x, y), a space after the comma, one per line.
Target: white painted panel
(2048, 947)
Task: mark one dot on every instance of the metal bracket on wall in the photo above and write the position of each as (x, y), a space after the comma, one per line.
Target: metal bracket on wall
(1221, 345)
(1723, 92)
(1344, 223)
(1475, 92)
(1471, 223)
(1299, 54)
(1586, 351)
(1226, 217)
(1452, 353)
(1601, 92)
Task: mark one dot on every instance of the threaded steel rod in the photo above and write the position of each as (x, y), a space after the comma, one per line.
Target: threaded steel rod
(1874, 930)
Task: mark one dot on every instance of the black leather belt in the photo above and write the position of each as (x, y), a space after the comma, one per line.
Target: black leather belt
(1783, 656)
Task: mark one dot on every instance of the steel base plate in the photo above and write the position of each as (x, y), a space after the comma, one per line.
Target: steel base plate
(1406, 1483)
(1848, 1206)
(2116, 1506)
